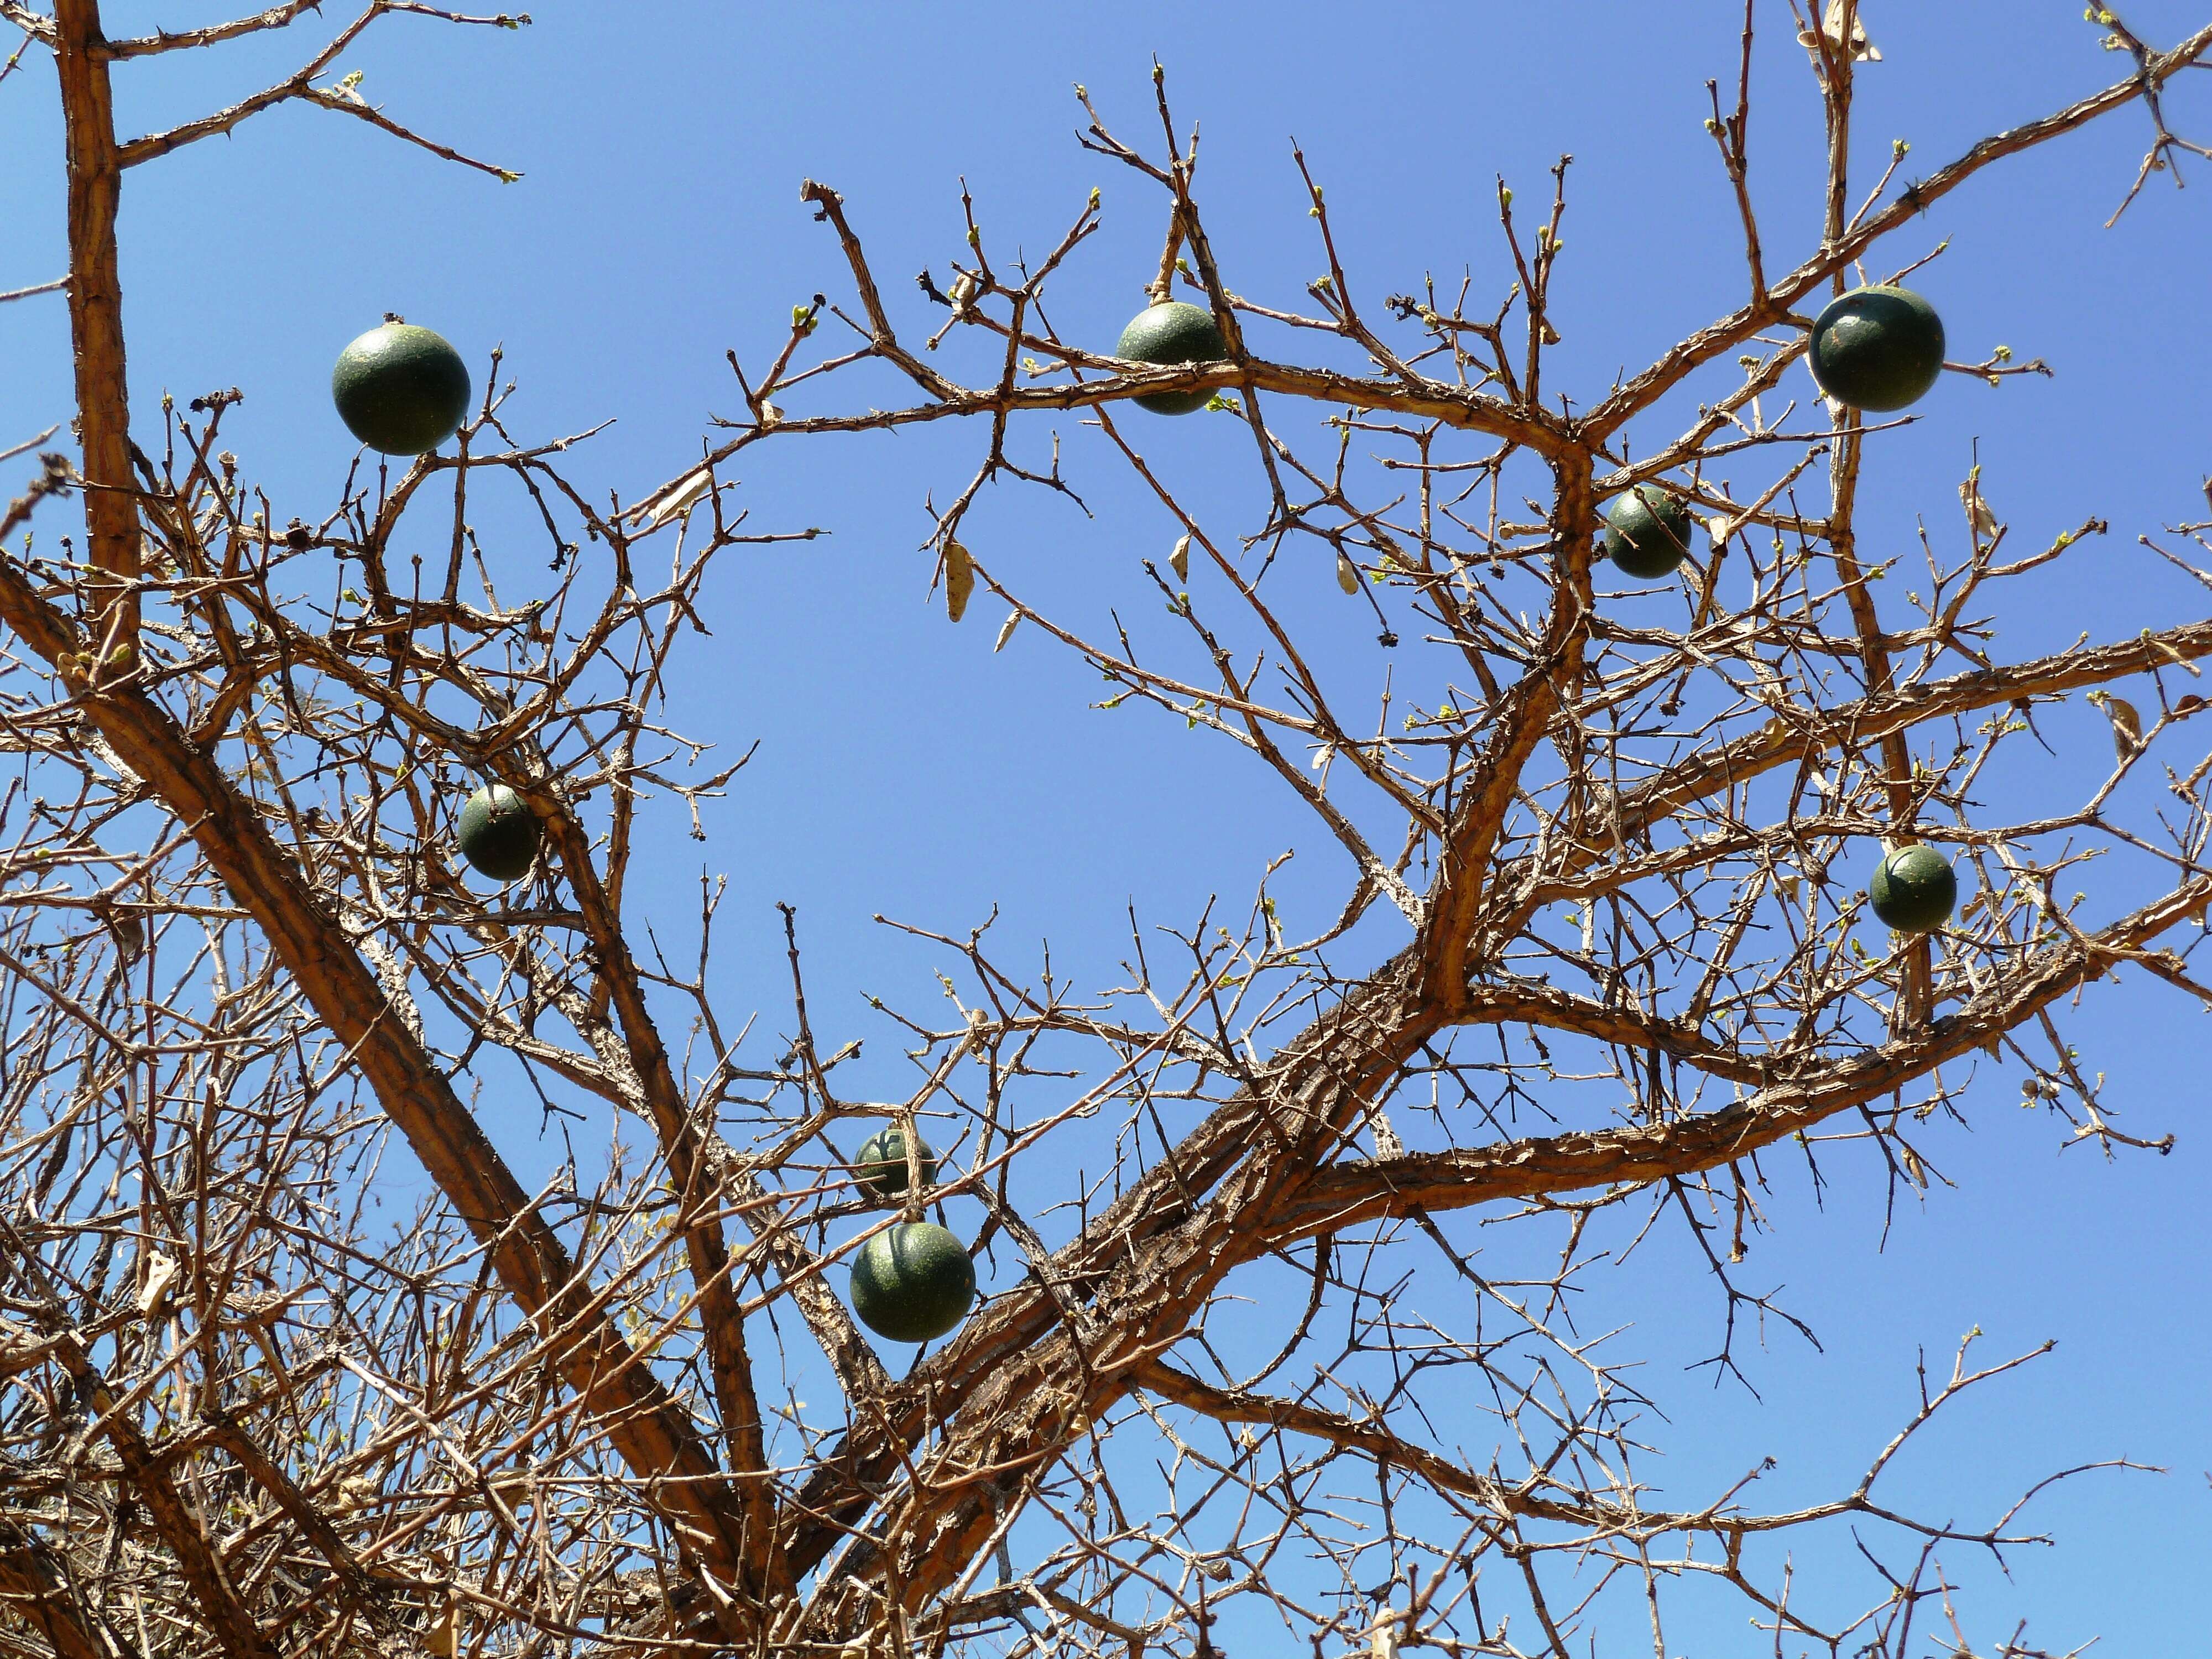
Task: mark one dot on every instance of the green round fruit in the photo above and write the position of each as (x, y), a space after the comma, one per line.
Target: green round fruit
(1173, 332)
(912, 1282)
(881, 1165)
(1914, 890)
(1877, 348)
(401, 389)
(499, 834)
(1647, 532)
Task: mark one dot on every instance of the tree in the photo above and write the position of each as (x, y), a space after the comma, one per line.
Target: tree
(246, 1414)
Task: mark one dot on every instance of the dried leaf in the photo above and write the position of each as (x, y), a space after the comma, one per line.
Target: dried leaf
(358, 1492)
(129, 934)
(2127, 726)
(680, 499)
(162, 1271)
(1347, 574)
(443, 1638)
(1180, 559)
(1977, 510)
(959, 580)
(1005, 630)
(1863, 50)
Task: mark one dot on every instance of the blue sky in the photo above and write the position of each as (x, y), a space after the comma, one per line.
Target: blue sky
(905, 769)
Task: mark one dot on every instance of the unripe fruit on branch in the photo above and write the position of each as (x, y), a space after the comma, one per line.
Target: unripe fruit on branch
(912, 1282)
(1172, 332)
(498, 835)
(1914, 890)
(401, 389)
(1876, 349)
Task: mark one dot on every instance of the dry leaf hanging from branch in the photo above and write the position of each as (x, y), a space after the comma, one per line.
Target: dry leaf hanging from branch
(681, 500)
(162, 1273)
(2127, 726)
(959, 580)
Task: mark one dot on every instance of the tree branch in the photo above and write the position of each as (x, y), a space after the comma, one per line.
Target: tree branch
(96, 297)
(1344, 1195)
(653, 1434)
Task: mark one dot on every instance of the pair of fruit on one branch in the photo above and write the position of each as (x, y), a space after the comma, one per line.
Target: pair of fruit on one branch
(912, 1281)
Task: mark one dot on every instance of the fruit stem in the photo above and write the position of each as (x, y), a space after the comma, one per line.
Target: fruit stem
(910, 1144)
(1162, 288)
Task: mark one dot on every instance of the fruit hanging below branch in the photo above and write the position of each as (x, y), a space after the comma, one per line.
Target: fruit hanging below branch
(1914, 890)
(1647, 532)
(1877, 348)
(912, 1282)
(498, 835)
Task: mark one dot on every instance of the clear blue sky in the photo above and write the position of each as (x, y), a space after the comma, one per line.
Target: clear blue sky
(904, 769)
